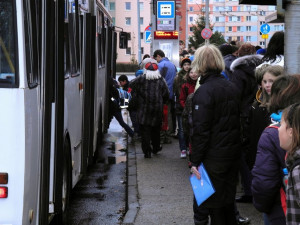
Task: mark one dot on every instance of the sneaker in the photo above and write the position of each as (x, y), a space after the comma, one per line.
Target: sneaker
(183, 154)
(242, 220)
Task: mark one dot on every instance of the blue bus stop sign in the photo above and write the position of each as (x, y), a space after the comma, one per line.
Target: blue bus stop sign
(265, 28)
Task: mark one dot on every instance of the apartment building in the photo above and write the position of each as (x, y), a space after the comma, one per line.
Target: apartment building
(234, 21)
(125, 15)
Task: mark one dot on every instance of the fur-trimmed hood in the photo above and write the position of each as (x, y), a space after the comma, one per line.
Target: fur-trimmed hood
(246, 61)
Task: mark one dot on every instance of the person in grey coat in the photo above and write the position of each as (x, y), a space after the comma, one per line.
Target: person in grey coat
(151, 93)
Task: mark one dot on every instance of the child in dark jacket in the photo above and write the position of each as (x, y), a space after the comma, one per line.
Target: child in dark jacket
(289, 137)
(267, 170)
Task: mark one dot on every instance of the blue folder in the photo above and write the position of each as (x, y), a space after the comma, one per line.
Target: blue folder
(202, 188)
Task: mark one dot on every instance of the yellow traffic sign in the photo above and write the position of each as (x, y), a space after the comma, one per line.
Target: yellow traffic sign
(265, 36)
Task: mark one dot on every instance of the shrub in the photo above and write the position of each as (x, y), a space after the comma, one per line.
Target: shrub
(126, 67)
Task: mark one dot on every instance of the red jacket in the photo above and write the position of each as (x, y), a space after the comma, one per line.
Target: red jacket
(186, 89)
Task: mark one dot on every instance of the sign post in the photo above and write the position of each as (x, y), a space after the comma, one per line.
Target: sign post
(265, 29)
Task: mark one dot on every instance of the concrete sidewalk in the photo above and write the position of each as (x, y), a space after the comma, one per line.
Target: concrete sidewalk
(159, 190)
(163, 188)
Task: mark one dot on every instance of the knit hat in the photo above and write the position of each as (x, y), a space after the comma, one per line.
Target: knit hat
(261, 51)
(226, 49)
(185, 60)
(246, 49)
(151, 71)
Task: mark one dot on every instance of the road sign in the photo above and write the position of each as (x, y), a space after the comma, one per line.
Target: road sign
(265, 28)
(206, 33)
(165, 9)
(148, 37)
(148, 28)
(265, 36)
(165, 18)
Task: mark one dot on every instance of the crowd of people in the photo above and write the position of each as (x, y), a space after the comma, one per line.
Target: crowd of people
(235, 110)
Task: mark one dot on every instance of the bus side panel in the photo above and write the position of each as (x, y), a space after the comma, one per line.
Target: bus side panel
(32, 155)
(12, 145)
(73, 122)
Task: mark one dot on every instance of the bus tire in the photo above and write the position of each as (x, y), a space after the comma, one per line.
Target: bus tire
(66, 181)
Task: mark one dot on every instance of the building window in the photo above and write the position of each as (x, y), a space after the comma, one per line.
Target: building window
(191, 9)
(114, 20)
(128, 36)
(142, 50)
(229, 28)
(238, 38)
(238, 18)
(261, 22)
(248, 18)
(128, 5)
(262, 13)
(128, 51)
(141, 6)
(191, 29)
(261, 43)
(112, 6)
(128, 21)
(276, 27)
(248, 38)
(229, 18)
(191, 19)
(141, 20)
(248, 28)
(217, 19)
(238, 28)
(142, 35)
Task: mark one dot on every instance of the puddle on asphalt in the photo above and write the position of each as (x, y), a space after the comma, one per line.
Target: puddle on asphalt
(117, 150)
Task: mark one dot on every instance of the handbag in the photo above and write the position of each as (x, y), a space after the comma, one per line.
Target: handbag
(203, 187)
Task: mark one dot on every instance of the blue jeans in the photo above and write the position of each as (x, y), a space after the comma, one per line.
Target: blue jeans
(181, 138)
(119, 118)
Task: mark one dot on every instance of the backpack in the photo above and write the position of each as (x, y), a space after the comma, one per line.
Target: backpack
(187, 116)
(124, 98)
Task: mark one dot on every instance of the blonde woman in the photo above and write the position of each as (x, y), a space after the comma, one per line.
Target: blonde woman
(215, 138)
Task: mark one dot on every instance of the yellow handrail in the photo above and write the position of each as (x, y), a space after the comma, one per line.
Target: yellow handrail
(7, 56)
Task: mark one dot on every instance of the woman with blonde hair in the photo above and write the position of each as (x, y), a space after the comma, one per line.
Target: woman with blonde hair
(215, 136)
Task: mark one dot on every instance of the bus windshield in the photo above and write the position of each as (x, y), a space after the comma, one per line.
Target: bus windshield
(7, 44)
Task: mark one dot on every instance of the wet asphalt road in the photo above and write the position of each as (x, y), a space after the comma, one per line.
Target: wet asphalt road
(99, 197)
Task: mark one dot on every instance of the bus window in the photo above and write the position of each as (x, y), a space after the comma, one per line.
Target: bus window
(31, 43)
(8, 55)
(99, 38)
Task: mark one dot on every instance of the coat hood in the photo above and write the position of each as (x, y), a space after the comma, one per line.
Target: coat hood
(246, 61)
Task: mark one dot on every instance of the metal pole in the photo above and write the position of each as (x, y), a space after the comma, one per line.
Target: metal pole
(206, 18)
(139, 32)
(186, 26)
(292, 38)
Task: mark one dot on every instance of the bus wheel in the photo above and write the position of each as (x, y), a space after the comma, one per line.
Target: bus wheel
(66, 182)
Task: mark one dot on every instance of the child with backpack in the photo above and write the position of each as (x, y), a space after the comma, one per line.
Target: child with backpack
(289, 137)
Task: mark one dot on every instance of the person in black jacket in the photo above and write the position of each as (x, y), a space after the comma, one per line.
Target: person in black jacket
(243, 76)
(215, 136)
(114, 107)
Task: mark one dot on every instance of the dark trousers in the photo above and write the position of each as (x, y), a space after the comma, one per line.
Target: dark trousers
(150, 135)
(119, 118)
(218, 216)
(135, 124)
(246, 177)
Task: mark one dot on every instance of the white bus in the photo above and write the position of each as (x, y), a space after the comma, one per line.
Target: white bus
(55, 60)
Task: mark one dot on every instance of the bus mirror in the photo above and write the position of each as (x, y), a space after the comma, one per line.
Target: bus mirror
(123, 40)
